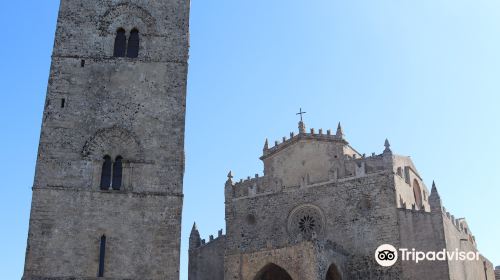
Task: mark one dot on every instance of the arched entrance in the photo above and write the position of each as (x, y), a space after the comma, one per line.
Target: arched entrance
(333, 273)
(272, 272)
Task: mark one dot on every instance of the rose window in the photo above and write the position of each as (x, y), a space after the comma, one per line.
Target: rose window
(305, 221)
(306, 224)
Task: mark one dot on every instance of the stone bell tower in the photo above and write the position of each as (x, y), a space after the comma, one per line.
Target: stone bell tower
(107, 194)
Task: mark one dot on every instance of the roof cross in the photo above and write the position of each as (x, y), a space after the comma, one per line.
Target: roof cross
(301, 113)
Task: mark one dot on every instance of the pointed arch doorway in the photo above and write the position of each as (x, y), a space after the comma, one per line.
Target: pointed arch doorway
(272, 272)
(333, 273)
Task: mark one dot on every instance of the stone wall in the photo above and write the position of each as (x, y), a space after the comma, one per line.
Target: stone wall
(423, 231)
(99, 105)
(304, 260)
(322, 209)
(206, 262)
(435, 231)
(357, 214)
(458, 238)
(409, 184)
(140, 241)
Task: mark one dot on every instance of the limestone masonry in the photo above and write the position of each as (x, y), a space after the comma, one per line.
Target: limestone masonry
(108, 189)
(107, 195)
(320, 212)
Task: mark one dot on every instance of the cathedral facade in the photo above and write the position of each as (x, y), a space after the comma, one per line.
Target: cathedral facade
(320, 212)
(108, 189)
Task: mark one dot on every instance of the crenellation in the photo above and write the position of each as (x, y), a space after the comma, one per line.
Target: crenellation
(206, 262)
(312, 135)
(199, 242)
(263, 185)
(354, 165)
(318, 192)
(108, 188)
(242, 188)
(460, 225)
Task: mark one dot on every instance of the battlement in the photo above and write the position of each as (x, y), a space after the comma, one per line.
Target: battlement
(195, 240)
(212, 239)
(251, 186)
(461, 226)
(258, 185)
(312, 135)
(206, 259)
(309, 159)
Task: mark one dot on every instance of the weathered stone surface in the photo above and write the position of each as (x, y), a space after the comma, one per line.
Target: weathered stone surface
(115, 106)
(206, 260)
(321, 210)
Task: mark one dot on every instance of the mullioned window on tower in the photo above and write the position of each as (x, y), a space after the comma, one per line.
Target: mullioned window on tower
(126, 47)
(111, 173)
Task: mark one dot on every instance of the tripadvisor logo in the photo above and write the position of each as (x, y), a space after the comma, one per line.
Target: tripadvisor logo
(387, 255)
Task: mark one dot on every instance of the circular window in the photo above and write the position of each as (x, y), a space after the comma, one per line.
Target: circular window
(305, 221)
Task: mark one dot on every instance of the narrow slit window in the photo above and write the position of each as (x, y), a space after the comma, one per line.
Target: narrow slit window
(82, 63)
(63, 102)
(120, 43)
(117, 173)
(102, 253)
(106, 173)
(133, 44)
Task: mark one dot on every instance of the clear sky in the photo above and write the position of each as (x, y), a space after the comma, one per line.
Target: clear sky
(425, 74)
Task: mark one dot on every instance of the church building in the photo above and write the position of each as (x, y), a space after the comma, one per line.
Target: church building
(108, 189)
(321, 210)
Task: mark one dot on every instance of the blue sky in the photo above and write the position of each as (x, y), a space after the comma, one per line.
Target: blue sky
(425, 74)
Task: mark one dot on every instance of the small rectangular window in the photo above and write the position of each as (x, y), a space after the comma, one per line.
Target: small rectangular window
(102, 253)
(63, 102)
(82, 63)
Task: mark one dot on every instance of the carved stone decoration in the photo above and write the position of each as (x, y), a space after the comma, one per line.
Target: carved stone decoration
(127, 13)
(113, 141)
(306, 221)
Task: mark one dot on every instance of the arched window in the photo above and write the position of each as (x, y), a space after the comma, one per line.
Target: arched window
(106, 173)
(133, 44)
(117, 173)
(120, 43)
(417, 193)
(274, 272)
(102, 253)
(400, 172)
(333, 273)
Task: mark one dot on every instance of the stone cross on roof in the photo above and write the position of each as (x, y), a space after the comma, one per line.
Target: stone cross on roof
(301, 113)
